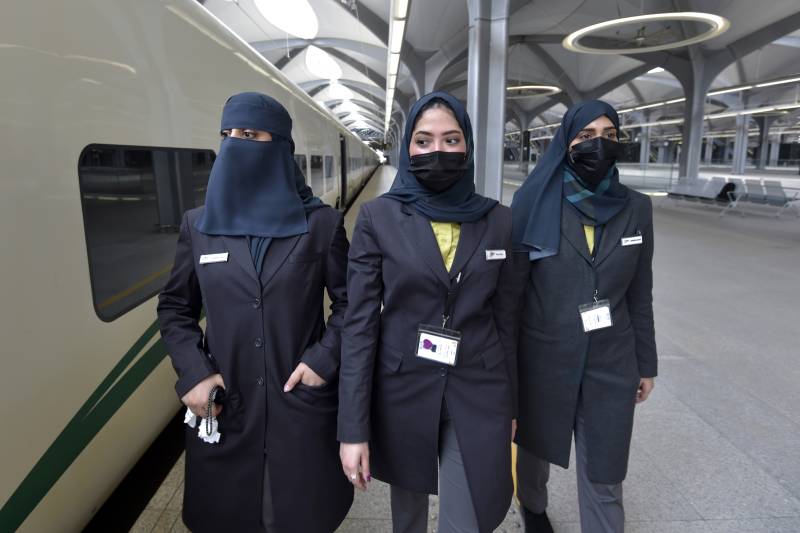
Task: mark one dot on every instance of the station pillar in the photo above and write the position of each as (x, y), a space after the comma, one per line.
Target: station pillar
(644, 146)
(525, 151)
(486, 90)
(740, 144)
(708, 151)
(774, 151)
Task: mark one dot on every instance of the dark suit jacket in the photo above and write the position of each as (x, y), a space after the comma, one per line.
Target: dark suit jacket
(392, 398)
(257, 331)
(560, 365)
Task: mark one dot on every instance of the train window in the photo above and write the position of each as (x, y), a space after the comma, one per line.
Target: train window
(133, 200)
(316, 174)
(328, 173)
(300, 159)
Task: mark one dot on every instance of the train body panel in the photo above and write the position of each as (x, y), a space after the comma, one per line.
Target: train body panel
(141, 81)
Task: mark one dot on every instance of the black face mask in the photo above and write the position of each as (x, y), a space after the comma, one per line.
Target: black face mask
(438, 171)
(591, 159)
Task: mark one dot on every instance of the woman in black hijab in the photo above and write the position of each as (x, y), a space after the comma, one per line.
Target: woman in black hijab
(427, 385)
(257, 259)
(587, 350)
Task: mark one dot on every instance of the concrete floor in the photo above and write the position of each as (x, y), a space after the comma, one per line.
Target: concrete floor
(716, 449)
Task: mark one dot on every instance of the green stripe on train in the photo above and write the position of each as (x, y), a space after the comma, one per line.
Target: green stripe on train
(87, 422)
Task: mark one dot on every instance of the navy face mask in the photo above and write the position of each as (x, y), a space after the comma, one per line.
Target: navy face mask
(438, 171)
(591, 159)
(253, 190)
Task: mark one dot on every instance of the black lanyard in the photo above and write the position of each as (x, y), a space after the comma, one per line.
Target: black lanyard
(452, 293)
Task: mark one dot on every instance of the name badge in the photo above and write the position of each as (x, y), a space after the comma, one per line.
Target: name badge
(630, 241)
(596, 315)
(495, 255)
(438, 344)
(214, 258)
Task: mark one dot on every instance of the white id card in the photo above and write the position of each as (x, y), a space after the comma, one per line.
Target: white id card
(438, 344)
(630, 241)
(214, 258)
(596, 315)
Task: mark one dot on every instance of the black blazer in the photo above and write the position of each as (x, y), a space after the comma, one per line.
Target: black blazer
(391, 398)
(560, 365)
(257, 330)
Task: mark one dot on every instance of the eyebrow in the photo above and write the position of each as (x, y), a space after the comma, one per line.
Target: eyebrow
(588, 130)
(449, 132)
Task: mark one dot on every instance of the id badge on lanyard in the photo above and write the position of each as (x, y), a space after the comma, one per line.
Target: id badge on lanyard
(596, 315)
(440, 344)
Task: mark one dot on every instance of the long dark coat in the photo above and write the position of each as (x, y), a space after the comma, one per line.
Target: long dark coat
(393, 399)
(560, 365)
(257, 331)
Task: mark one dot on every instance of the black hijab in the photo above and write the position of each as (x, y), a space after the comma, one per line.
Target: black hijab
(459, 203)
(256, 189)
(536, 207)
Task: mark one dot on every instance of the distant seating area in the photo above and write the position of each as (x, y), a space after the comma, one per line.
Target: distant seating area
(731, 193)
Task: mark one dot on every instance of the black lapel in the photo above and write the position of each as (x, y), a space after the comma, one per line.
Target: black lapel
(471, 236)
(238, 248)
(612, 233)
(278, 251)
(423, 241)
(573, 231)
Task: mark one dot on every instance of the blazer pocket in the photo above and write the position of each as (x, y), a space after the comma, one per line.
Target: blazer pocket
(493, 356)
(391, 358)
(305, 258)
(323, 395)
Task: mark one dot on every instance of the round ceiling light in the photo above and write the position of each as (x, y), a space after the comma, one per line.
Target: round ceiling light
(295, 18)
(337, 91)
(321, 64)
(526, 91)
(645, 33)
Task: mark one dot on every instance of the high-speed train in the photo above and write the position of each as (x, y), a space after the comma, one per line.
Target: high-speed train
(109, 121)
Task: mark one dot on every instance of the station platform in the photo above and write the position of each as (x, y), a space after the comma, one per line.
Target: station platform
(715, 448)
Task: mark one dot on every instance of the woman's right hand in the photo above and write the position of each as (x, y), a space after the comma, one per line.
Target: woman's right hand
(355, 463)
(197, 398)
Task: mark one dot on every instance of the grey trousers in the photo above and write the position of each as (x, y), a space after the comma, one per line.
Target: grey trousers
(267, 511)
(599, 504)
(456, 512)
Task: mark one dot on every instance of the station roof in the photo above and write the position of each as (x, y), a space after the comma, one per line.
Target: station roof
(338, 51)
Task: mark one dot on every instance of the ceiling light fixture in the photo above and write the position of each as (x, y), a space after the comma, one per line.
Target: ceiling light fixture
(296, 18)
(777, 82)
(321, 64)
(397, 28)
(717, 25)
(730, 90)
(526, 91)
(338, 91)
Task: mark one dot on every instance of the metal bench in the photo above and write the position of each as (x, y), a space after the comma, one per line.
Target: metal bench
(768, 193)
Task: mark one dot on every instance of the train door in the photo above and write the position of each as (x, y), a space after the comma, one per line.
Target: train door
(343, 173)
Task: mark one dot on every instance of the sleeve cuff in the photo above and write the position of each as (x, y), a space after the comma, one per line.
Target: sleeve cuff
(322, 362)
(188, 380)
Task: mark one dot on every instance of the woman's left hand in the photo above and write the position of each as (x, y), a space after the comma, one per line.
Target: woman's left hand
(303, 374)
(645, 386)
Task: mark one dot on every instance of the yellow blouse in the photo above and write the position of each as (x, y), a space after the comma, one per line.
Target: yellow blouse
(447, 234)
(589, 231)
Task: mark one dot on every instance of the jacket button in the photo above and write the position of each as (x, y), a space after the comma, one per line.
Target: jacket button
(260, 381)
(443, 372)
(258, 343)
(256, 303)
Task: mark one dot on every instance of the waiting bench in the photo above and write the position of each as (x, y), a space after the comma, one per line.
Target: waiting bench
(729, 193)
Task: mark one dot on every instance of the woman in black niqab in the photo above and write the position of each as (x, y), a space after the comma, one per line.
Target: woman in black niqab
(257, 260)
